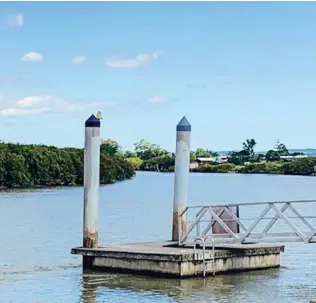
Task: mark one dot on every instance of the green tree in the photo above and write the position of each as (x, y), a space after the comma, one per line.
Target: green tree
(238, 157)
(146, 150)
(296, 154)
(213, 154)
(16, 172)
(257, 158)
(129, 154)
(110, 147)
(39, 165)
(200, 152)
(249, 146)
(163, 163)
(135, 162)
(299, 167)
(272, 156)
(281, 148)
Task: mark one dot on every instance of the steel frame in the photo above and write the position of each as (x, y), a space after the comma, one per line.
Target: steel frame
(246, 233)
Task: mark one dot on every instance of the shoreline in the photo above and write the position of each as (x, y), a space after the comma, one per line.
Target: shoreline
(232, 173)
(59, 187)
(4, 189)
(298, 167)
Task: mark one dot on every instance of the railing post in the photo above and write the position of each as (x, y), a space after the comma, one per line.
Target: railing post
(181, 179)
(91, 183)
(198, 227)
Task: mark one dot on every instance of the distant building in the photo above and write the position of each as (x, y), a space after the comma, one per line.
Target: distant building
(210, 160)
(291, 158)
(194, 165)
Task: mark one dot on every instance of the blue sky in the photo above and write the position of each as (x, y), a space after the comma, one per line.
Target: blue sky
(235, 70)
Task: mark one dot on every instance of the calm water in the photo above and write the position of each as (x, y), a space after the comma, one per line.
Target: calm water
(38, 230)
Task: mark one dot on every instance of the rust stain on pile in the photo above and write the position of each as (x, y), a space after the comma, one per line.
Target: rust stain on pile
(175, 231)
(90, 240)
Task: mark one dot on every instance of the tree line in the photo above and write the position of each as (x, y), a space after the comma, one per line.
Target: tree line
(148, 156)
(247, 153)
(23, 166)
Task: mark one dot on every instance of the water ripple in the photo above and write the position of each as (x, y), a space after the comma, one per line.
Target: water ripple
(36, 265)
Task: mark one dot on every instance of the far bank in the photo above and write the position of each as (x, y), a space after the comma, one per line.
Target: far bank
(40, 166)
(303, 167)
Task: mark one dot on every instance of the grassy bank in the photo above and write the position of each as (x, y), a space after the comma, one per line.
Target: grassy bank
(303, 167)
(37, 166)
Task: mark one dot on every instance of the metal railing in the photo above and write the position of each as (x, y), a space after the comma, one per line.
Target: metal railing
(203, 240)
(262, 222)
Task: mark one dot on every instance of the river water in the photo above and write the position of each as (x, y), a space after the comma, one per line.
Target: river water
(38, 229)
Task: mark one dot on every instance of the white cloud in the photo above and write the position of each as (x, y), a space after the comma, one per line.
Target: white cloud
(32, 57)
(10, 112)
(41, 100)
(78, 60)
(157, 99)
(139, 60)
(16, 20)
(40, 104)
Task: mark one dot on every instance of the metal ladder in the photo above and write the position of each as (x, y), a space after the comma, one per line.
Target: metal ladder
(203, 240)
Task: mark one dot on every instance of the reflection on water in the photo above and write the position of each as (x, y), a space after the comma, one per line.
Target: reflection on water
(13, 270)
(39, 229)
(177, 289)
(258, 286)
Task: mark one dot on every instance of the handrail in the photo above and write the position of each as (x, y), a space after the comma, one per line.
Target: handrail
(213, 251)
(231, 228)
(246, 204)
(203, 242)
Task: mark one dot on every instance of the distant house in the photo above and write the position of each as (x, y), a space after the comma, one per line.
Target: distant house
(204, 160)
(210, 160)
(291, 158)
(194, 165)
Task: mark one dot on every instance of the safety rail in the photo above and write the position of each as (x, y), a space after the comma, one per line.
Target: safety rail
(226, 224)
(203, 240)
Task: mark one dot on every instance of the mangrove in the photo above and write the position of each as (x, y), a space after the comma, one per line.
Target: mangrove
(32, 166)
